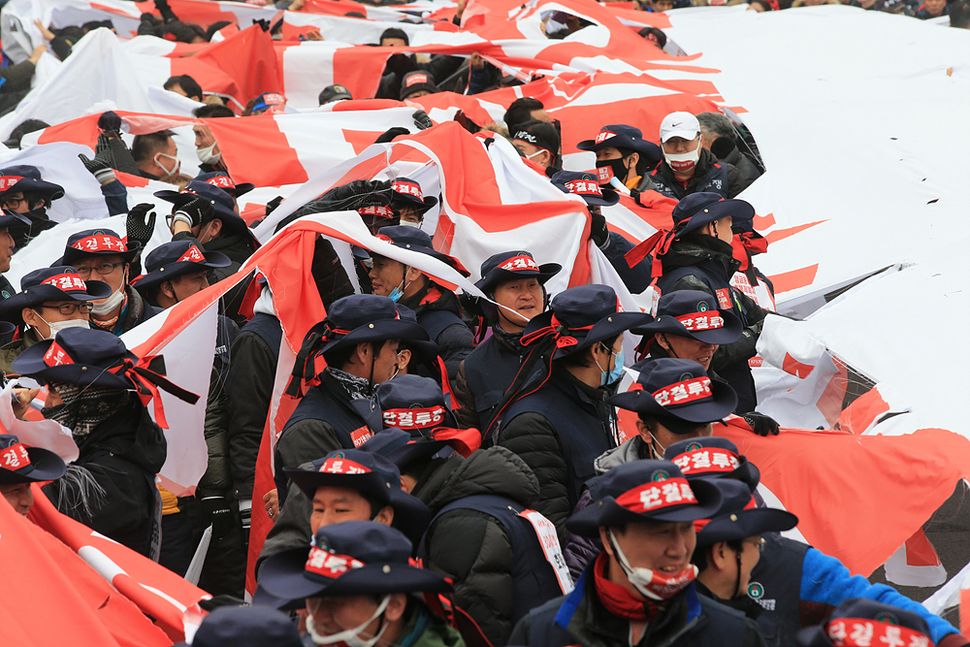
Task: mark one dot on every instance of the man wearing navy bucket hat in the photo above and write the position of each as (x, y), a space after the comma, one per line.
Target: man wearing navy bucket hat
(51, 299)
(408, 202)
(20, 466)
(23, 191)
(697, 255)
(359, 341)
(623, 153)
(559, 426)
(436, 307)
(514, 281)
(640, 589)
(102, 255)
(100, 391)
(359, 589)
(689, 325)
(8, 219)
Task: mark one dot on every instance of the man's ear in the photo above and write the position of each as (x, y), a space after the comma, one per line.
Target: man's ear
(167, 289)
(660, 340)
(633, 158)
(412, 275)
(385, 516)
(605, 540)
(396, 606)
(720, 554)
(215, 227)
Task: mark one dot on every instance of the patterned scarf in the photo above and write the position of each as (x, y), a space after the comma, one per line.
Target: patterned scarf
(84, 407)
(359, 388)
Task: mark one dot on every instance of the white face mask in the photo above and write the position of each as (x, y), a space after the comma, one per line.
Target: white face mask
(653, 585)
(350, 637)
(207, 154)
(408, 223)
(168, 173)
(109, 304)
(58, 326)
(683, 162)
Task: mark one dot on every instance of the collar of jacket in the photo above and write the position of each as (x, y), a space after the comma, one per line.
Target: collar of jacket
(704, 163)
(694, 249)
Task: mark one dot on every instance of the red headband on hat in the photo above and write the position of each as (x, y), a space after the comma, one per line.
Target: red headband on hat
(377, 210)
(695, 321)
(57, 356)
(692, 390)
(656, 495)
(7, 181)
(519, 264)
(584, 187)
(415, 78)
(100, 243)
(337, 465)
(222, 181)
(865, 632)
(706, 460)
(414, 418)
(329, 564)
(66, 282)
(193, 255)
(603, 135)
(14, 457)
(408, 188)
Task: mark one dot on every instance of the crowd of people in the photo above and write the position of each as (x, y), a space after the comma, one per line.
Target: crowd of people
(455, 472)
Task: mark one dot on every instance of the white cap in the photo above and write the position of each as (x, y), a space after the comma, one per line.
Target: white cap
(679, 124)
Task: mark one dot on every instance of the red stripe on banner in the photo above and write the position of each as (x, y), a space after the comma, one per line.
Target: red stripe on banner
(781, 234)
(356, 105)
(84, 130)
(920, 552)
(795, 279)
(965, 612)
(360, 139)
(197, 13)
(235, 137)
(873, 478)
(859, 415)
(793, 367)
(360, 68)
(764, 222)
(656, 210)
(131, 181)
(253, 213)
(333, 7)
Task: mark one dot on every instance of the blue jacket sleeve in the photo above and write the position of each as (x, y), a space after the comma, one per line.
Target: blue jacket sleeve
(637, 278)
(115, 197)
(826, 581)
(479, 79)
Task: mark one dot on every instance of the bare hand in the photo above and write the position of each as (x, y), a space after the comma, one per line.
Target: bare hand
(314, 34)
(38, 52)
(271, 501)
(477, 61)
(45, 32)
(23, 399)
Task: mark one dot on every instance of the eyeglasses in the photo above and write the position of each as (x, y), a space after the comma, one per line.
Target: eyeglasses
(12, 203)
(103, 269)
(67, 309)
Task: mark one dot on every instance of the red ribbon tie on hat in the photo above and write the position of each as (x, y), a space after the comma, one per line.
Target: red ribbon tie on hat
(7, 181)
(193, 255)
(656, 495)
(147, 382)
(418, 418)
(519, 264)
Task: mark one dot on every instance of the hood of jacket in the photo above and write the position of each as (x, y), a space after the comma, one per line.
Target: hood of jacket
(632, 450)
(495, 471)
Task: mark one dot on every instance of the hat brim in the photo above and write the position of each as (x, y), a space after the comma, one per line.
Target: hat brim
(47, 465)
(608, 512)
(497, 276)
(231, 220)
(726, 334)
(609, 198)
(31, 362)
(715, 211)
(51, 190)
(10, 309)
(213, 261)
(282, 576)
(721, 404)
(379, 331)
(606, 328)
(71, 254)
(748, 473)
(745, 523)
(424, 205)
(240, 189)
(12, 219)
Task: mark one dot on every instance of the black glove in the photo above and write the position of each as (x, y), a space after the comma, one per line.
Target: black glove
(100, 166)
(272, 204)
(401, 64)
(219, 601)
(246, 519)
(389, 134)
(354, 195)
(598, 231)
(140, 224)
(195, 212)
(167, 14)
(263, 24)
(761, 424)
(109, 122)
(219, 513)
(422, 120)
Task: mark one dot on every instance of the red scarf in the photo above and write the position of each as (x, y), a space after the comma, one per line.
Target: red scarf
(617, 599)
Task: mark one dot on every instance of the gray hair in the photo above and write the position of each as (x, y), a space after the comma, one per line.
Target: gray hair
(717, 125)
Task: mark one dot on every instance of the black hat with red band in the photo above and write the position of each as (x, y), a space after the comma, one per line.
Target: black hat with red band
(586, 186)
(860, 622)
(646, 490)
(418, 241)
(713, 457)
(679, 389)
(222, 180)
(404, 190)
(694, 314)
(25, 178)
(97, 242)
(414, 404)
(22, 464)
(176, 258)
(581, 316)
(349, 558)
(512, 266)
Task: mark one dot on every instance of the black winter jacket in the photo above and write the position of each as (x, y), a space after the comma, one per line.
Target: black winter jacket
(471, 547)
(709, 176)
(123, 454)
(455, 340)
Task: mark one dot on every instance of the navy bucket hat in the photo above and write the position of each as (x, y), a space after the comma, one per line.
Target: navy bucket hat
(246, 626)
(223, 204)
(23, 177)
(222, 180)
(414, 404)
(678, 388)
(92, 243)
(645, 490)
(713, 457)
(176, 258)
(586, 186)
(699, 209)
(512, 266)
(349, 558)
(360, 318)
(693, 314)
(861, 623)
(418, 241)
(22, 464)
(622, 136)
(581, 316)
(408, 191)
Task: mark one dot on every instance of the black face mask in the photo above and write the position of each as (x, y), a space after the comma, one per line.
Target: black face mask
(617, 166)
